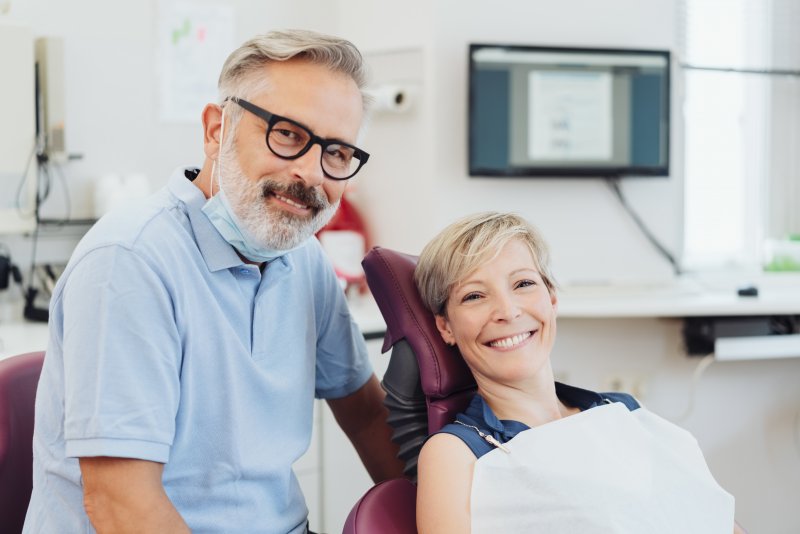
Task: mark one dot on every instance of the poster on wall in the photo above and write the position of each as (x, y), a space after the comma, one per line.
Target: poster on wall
(193, 42)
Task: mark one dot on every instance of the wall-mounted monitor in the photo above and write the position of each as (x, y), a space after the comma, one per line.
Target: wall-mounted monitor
(548, 111)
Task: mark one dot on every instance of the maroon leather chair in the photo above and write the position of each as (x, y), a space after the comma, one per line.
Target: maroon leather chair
(427, 383)
(386, 508)
(19, 376)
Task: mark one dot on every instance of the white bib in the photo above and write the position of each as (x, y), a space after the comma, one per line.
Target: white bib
(606, 470)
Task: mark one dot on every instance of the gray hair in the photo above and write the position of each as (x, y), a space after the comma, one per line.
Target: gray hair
(236, 78)
(467, 244)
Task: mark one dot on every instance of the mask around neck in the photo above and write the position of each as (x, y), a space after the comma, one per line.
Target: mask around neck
(219, 211)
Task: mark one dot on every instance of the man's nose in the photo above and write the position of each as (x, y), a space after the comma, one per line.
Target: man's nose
(308, 167)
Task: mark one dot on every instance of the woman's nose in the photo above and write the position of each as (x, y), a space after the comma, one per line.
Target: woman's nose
(506, 308)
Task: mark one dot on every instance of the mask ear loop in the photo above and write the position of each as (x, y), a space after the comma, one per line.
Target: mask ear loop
(219, 158)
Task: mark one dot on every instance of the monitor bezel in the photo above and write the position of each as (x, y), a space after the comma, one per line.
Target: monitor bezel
(579, 170)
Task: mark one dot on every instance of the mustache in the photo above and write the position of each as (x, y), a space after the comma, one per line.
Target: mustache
(310, 196)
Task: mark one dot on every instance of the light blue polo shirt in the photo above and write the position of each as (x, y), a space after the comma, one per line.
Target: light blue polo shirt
(165, 346)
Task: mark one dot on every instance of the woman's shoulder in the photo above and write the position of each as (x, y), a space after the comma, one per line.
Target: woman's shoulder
(472, 426)
(444, 448)
(467, 435)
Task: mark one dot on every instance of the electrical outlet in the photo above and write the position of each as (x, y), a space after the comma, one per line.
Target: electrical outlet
(631, 383)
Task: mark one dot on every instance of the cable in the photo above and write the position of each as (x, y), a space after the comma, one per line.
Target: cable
(613, 183)
(31, 312)
(705, 361)
(45, 182)
(24, 178)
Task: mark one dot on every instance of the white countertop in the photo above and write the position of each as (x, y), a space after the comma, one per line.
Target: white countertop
(685, 297)
(779, 294)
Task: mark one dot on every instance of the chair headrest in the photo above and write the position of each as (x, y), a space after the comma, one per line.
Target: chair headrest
(390, 276)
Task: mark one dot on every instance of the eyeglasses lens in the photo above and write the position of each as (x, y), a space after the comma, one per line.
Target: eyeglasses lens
(288, 139)
(338, 161)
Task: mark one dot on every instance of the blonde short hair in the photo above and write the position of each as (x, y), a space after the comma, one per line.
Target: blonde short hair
(467, 244)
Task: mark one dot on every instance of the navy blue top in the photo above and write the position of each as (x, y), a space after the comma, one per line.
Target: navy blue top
(478, 414)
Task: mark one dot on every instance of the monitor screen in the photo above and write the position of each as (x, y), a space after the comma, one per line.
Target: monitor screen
(546, 111)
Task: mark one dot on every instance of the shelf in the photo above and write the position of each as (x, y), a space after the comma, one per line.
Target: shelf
(67, 222)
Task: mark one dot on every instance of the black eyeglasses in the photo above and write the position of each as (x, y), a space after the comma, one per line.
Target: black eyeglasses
(289, 139)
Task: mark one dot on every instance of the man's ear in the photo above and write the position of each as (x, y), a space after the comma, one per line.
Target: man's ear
(443, 325)
(212, 123)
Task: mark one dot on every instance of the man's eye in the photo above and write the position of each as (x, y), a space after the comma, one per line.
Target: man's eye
(335, 154)
(339, 153)
(287, 135)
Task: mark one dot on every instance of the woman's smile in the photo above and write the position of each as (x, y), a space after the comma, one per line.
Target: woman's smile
(511, 342)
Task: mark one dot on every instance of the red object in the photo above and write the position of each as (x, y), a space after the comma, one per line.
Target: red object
(345, 240)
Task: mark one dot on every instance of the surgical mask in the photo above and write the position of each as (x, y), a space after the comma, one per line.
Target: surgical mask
(219, 211)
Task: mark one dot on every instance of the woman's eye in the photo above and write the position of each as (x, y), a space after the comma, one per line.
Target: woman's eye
(471, 296)
(526, 283)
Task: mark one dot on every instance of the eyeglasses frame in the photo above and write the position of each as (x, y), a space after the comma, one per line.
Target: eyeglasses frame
(271, 119)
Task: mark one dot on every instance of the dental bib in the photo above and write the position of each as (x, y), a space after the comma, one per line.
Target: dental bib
(606, 470)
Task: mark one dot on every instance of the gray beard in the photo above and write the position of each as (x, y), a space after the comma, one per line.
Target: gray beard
(270, 227)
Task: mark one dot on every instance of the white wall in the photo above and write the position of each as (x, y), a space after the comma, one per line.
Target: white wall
(416, 182)
(421, 157)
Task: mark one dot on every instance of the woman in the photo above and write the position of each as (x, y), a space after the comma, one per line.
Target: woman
(530, 454)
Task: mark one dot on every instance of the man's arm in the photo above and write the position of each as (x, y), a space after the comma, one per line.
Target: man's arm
(362, 416)
(123, 495)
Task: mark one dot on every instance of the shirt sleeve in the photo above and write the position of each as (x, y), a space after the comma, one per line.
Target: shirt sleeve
(342, 363)
(122, 358)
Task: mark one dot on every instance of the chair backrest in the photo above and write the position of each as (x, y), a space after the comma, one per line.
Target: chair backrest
(427, 384)
(19, 376)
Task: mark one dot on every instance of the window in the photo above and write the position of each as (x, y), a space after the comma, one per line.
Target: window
(741, 79)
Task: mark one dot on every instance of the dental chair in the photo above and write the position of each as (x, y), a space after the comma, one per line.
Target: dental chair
(427, 384)
(19, 377)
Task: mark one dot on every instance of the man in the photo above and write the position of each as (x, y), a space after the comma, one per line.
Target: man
(190, 335)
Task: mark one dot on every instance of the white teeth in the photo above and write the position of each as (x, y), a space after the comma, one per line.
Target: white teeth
(508, 342)
(291, 202)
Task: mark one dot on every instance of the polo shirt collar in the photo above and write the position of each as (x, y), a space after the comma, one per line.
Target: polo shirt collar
(569, 395)
(217, 253)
